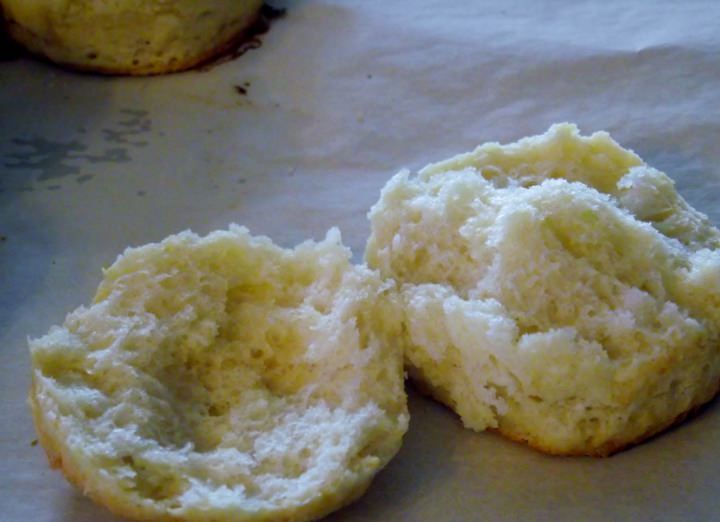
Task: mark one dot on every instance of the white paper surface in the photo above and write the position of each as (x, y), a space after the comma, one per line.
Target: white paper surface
(341, 96)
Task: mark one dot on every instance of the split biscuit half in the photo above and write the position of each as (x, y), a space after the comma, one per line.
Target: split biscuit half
(557, 289)
(225, 378)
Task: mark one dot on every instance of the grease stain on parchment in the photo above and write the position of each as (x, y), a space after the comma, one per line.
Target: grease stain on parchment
(129, 130)
(38, 160)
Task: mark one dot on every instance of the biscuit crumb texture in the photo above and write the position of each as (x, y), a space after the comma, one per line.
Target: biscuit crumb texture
(225, 378)
(557, 289)
(128, 36)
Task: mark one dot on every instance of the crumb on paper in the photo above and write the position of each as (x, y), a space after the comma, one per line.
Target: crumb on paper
(33, 443)
(241, 90)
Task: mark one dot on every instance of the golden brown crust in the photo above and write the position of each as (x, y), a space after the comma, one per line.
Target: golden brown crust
(22, 35)
(46, 441)
(59, 459)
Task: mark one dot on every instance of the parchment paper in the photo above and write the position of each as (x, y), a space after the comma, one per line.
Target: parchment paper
(341, 95)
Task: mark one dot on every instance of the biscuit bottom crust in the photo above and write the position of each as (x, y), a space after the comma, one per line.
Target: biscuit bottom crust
(615, 445)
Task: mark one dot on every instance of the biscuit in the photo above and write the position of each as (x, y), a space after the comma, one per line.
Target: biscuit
(557, 289)
(134, 37)
(224, 378)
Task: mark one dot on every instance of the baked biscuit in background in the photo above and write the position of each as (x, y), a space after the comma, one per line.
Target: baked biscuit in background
(225, 378)
(133, 37)
(557, 289)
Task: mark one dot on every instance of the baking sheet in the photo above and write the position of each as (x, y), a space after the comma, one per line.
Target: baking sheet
(342, 95)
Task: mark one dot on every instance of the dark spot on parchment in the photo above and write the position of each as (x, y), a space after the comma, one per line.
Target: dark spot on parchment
(247, 40)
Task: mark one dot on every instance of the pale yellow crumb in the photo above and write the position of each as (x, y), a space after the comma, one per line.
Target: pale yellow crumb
(225, 378)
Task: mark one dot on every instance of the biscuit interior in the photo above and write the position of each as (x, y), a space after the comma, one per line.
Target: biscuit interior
(225, 378)
(556, 289)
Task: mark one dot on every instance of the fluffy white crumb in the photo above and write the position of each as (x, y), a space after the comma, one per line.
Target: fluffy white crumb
(557, 289)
